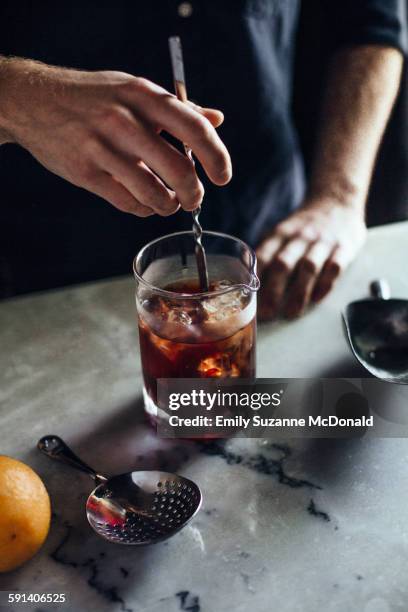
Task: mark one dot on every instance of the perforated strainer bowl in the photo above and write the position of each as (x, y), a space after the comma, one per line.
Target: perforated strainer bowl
(136, 508)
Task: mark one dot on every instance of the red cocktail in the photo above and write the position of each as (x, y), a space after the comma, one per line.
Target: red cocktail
(185, 333)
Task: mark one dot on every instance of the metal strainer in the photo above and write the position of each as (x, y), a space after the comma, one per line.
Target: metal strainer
(140, 507)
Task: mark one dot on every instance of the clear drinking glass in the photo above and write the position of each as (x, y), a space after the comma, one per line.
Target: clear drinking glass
(185, 333)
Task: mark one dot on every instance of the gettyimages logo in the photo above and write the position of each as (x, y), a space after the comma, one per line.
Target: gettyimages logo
(283, 407)
(208, 400)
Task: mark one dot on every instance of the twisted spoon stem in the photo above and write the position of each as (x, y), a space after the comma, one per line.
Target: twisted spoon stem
(197, 228)
(177, 64)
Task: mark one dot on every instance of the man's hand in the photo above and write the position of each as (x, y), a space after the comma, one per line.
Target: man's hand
(301, 259)
(101, 131)
(303, 256)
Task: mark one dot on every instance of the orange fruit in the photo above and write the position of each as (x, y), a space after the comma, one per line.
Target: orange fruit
(25, 513)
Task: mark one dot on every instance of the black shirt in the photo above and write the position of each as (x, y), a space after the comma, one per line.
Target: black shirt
(239, 57)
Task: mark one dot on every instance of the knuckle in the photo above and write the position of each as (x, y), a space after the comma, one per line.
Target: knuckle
(141, 81)
(200, 126)
(144, 86)
(90, 148)
(115, 117)
(309, 233)
(281, 231)
(204, 128)
(107, 115)
(138, 84)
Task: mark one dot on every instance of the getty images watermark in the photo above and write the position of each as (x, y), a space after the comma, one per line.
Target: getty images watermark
(282, 407)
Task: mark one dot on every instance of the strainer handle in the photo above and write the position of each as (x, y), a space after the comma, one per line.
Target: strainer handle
(380, 289)
(55, 448)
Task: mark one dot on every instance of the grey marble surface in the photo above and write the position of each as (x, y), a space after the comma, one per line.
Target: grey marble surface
(293, 525)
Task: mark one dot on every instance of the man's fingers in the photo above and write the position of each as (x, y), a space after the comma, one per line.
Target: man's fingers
(341, 257)
(277, 275)
(265, 254)
(111, 190)
(187, 125)
(214, 116)
(134, 140)
(291, 252)
(305, 277)
(336, 263)
(141, 182)
(267, 250)
(196, 131)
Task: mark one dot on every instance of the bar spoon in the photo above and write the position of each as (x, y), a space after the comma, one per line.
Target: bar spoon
(137, 508)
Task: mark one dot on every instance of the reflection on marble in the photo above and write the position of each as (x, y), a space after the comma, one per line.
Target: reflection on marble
(288, 525)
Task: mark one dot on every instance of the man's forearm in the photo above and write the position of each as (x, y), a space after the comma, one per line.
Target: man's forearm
(25, 87)
(302, 257)
(361, 90)
(4, 133)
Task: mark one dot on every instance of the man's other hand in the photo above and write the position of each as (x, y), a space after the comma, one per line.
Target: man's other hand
(300, 260)
(102, 131)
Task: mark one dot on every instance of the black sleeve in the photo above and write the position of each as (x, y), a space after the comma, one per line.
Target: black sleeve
(381, 22)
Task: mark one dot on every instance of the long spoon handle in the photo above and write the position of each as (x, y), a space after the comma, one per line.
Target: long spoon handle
(380, 289)
(177, 64)
(55, 448)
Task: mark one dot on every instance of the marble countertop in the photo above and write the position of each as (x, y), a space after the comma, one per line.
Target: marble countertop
(302, 525)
